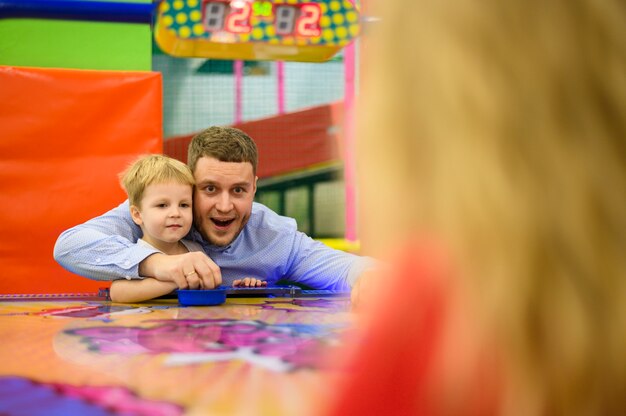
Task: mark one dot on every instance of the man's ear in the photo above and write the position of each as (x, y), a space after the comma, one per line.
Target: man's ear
(136, 215)
(256, 178)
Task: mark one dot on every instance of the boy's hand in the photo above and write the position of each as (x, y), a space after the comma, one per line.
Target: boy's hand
(249, 282)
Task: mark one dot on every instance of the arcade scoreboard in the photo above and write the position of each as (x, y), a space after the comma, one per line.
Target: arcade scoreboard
(290, 30)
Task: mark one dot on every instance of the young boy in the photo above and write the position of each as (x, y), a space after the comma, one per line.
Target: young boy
(160, 193)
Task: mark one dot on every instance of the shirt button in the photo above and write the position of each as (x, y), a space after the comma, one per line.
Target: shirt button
(98, 260)
(126, 263)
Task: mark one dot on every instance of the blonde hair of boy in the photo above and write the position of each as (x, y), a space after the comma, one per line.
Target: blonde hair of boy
(501, 127)
(153, 169)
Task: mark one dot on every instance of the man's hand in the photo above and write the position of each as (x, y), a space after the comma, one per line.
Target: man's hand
(194, 270)
(364, 289)
(249, 282)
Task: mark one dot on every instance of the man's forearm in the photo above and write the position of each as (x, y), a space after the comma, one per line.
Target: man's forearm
(97, 256)
(103, 248)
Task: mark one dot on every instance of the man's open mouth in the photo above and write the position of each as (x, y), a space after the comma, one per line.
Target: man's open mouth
(222, 223)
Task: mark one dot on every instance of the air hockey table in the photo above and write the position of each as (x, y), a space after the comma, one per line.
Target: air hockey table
(80, 354)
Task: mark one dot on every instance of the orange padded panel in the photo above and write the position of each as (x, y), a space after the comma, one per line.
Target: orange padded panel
(64, 137)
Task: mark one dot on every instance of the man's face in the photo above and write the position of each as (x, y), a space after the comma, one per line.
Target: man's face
(223, 200)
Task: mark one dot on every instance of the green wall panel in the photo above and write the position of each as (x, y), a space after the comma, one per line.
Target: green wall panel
(76, 44)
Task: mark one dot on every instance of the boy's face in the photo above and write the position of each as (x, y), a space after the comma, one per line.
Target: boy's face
(223, 199)
(165, 215)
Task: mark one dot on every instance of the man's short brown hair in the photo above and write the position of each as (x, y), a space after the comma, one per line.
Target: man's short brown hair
(226, 144)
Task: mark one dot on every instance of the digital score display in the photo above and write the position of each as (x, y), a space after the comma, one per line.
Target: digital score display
(297, 20)
(293, 30)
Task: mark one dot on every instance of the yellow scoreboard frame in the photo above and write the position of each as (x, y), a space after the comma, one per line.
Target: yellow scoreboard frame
(289, 30)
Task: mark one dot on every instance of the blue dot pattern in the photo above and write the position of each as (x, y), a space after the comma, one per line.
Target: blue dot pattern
(269, 248)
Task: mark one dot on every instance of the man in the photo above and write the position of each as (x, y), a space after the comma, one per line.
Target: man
(242, 239)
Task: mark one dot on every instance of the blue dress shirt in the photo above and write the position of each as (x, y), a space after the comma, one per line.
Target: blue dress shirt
(268, 248)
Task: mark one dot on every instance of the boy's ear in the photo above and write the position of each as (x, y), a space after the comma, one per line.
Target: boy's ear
(136, 215)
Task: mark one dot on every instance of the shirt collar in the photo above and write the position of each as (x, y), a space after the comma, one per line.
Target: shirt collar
(197, 237)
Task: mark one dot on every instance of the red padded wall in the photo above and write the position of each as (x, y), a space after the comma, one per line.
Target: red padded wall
(64, 137)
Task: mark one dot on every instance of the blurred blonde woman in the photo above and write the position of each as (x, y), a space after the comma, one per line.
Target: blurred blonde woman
(493, 137)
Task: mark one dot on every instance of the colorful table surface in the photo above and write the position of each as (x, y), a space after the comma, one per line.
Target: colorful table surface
(249, 356)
